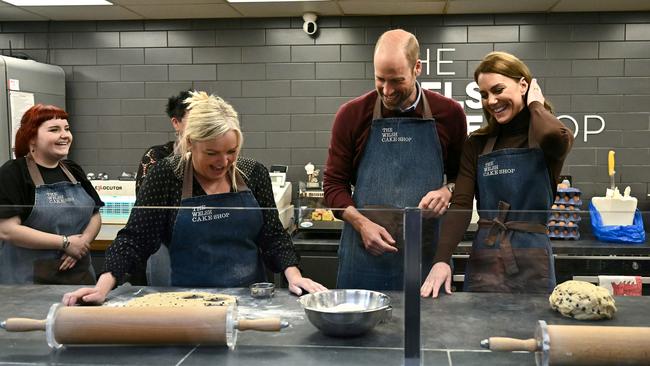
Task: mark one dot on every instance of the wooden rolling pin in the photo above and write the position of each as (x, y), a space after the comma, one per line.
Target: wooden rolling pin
(581, 345)
(154, 325)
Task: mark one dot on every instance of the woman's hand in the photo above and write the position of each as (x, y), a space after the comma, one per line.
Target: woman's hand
(440, 274)
(67, 262)
(85, 295)
(297, 282)
(79, 246)
(91, 295)
(535, 93)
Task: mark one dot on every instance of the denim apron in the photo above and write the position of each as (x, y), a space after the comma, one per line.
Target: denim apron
(62, 208)
(402, 161)
(511, 251)
(214, 238)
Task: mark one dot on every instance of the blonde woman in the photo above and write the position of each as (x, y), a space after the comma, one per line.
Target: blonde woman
(211, 244)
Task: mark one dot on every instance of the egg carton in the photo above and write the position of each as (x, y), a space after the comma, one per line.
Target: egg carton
(563, 232)
(565, 207)
(570, 191)
(559, 200)
(566, 216)
(561, 224)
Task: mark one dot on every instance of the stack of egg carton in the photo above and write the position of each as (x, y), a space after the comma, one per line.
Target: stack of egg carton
(565, 216)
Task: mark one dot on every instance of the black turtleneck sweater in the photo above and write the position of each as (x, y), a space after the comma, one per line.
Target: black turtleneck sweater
(554, 139)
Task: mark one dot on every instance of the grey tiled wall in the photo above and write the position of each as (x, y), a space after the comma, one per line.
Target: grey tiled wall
(287, 86)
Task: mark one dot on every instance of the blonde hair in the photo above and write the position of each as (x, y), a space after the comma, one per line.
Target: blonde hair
(507, 65)
(208, 117)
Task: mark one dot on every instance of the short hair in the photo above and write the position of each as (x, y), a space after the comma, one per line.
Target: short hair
(32, 119)
(209, 117)
(410, 47)
(176, 105)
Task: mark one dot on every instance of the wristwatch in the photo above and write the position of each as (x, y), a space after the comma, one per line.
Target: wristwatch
(66, 243)
(451, 187)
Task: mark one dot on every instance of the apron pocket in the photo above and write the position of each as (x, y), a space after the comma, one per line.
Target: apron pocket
(46, 272)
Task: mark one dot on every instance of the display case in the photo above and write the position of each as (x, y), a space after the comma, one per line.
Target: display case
(313, 214)
(118, 197)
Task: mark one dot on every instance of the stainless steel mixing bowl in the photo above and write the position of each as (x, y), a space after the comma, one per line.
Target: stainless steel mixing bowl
(346, 313)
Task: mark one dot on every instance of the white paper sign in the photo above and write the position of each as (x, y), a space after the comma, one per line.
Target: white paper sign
(14, 84)
(19, 103)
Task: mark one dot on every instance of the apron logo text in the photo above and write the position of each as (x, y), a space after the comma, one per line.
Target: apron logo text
(57, 198)
(491, 168)
(200, 214)
(388, 135)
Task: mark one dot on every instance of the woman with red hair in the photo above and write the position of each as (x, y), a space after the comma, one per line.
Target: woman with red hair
(49, 211)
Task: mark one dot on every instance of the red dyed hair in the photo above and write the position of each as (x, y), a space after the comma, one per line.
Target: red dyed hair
(31, 121)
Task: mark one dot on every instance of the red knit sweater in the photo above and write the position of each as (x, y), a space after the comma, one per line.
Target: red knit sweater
(350, 134)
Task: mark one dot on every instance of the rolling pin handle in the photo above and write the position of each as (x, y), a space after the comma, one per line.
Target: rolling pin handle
(23, 324)
(3, 325)
(511, 344)
(284, 324)
(264, 325)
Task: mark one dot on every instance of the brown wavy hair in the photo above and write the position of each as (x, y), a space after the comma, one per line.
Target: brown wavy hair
(33, 118)
(507, 65)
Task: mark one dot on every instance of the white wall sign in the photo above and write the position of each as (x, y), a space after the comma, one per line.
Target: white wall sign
(592, 124)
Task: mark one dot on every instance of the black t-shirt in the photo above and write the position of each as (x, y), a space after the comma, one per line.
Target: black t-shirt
(17, 188)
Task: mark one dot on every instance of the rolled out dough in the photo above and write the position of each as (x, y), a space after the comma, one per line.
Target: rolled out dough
(182, 299)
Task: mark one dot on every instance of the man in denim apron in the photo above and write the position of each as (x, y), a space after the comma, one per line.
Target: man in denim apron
(401, 165)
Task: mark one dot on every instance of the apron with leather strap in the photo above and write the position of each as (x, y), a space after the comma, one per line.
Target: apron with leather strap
(62, 208)
(511, 251)
(402, 161)
(214, 238)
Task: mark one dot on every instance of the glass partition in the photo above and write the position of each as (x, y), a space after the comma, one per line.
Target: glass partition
(501, 270)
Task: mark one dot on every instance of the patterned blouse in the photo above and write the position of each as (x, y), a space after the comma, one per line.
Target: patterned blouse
(148, 228)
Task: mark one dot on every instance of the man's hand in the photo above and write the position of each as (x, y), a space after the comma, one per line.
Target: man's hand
(440, 273)
(436, 202)
(376, 239)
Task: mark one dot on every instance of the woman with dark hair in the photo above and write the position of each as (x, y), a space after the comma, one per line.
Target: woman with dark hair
(512, 166)
(49, 211)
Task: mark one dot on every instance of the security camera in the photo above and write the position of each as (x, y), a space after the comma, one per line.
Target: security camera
(310, 27)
